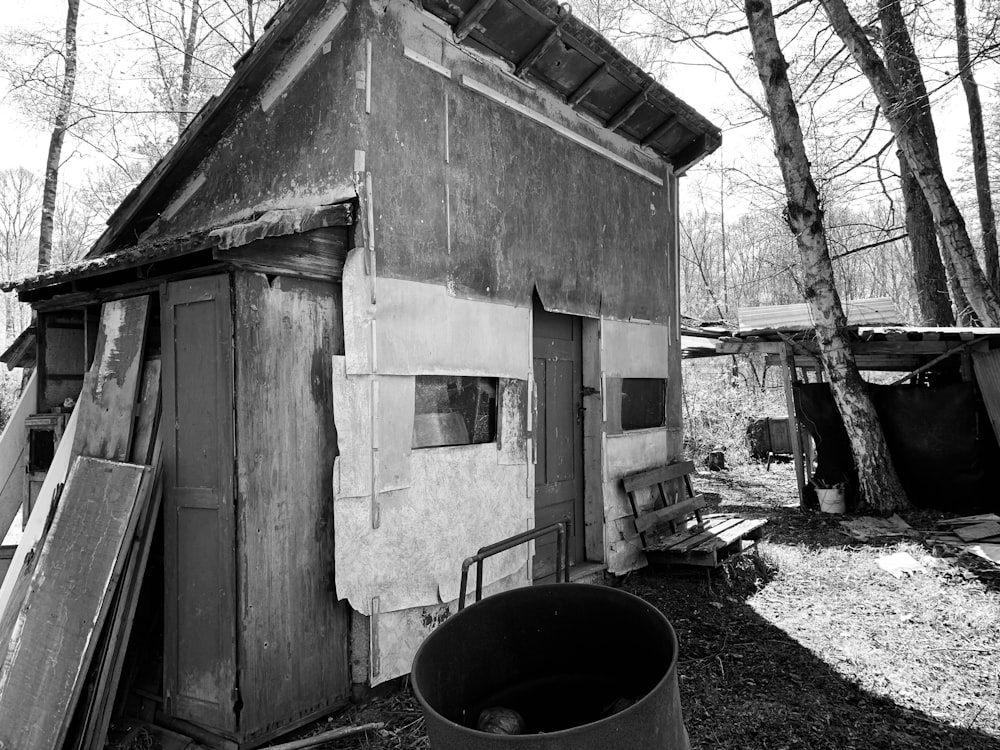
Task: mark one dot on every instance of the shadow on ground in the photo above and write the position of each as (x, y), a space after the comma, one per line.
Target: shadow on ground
(747, 684)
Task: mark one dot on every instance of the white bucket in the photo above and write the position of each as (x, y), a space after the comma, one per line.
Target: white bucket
(831, 500)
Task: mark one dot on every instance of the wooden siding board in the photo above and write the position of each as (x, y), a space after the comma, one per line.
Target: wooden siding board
(147, 419)
(199, 614)
(293, 650)
(111, 387)
(318, 253)
(67, 602)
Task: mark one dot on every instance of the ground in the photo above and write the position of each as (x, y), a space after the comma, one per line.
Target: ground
(810, 646)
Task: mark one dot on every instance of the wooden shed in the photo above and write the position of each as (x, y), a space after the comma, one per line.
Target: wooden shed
(414, 284)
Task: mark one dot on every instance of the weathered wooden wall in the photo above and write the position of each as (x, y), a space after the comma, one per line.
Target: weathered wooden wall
(294, 632)
(465, 192)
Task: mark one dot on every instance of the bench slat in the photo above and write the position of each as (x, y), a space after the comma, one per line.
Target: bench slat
(655, 476)
(728, 535)
(673, 512)
(685, 538)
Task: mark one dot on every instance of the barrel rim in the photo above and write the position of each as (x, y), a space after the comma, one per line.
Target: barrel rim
(668, 673)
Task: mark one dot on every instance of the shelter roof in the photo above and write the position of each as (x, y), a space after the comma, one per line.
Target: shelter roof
(798, 317)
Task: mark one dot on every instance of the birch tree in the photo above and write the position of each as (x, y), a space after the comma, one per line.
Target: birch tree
(60, 125)
(878, 482)
(955, 242)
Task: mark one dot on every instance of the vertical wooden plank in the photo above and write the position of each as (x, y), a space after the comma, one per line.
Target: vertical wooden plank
(593, 429)
(111, 386)
(675, 373)
(53, 637)
(147, 418)
(198, 455)
(787, 371)
(12, 450)
(295, 633)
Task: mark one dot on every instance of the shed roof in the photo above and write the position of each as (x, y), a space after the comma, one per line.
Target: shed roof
(540, 38)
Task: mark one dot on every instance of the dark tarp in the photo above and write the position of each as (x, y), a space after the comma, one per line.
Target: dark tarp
(940, 440)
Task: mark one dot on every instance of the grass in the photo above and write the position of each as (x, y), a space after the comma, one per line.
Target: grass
(810, 646)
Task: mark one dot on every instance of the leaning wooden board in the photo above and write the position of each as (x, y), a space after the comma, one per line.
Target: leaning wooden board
(65, 606)
(111, 387)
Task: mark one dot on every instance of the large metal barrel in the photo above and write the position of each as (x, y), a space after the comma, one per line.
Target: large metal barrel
(585, 666)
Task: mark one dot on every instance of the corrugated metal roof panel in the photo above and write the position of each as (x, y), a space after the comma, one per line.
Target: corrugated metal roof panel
(798, 317)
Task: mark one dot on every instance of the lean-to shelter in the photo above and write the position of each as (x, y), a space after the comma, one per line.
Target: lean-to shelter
(413, 290)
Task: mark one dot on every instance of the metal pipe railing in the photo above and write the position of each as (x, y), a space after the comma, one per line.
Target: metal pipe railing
(562, 531)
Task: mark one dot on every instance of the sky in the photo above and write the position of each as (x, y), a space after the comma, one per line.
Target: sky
(23, 143)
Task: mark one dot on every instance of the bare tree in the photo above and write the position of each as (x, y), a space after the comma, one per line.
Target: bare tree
(77, 226)
(956, 245)
(59, 128)
(980, 168)
(879, 484)
(904, 68)
(20, 207)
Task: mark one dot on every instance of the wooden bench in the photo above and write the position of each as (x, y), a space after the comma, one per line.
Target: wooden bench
(675, 530)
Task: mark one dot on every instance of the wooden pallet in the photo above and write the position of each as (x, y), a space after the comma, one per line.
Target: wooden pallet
(711, 543)
(675, 530)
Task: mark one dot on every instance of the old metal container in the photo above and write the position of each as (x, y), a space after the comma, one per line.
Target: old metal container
(586, 666)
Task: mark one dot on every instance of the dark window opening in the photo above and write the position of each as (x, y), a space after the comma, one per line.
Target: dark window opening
(454, 410)
(41, 449)
(644, 403)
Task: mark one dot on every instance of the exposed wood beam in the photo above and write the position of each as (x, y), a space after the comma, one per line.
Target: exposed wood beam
(691, 152)
(532, 57)
(585, 88)
(787, 379)
(860, 348)
(955, 350)
(659, 131)
(471, 19)
(619, 117)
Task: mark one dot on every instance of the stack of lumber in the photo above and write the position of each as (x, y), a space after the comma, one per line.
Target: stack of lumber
(978, 535)
(67, 604)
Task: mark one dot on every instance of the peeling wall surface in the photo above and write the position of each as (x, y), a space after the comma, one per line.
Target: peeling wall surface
(406, 518)
(467, 207)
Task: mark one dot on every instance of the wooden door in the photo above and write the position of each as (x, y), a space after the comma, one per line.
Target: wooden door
(557, 357)
(199, 540)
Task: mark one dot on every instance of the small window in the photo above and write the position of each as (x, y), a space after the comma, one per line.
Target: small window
(644, 403)
(454, 410)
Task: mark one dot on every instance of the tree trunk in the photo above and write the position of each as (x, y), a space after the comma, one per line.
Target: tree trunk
(929, 276)
(879, 484)
(189, 49)
(58, 135)
(951, 230)
(987, 219)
